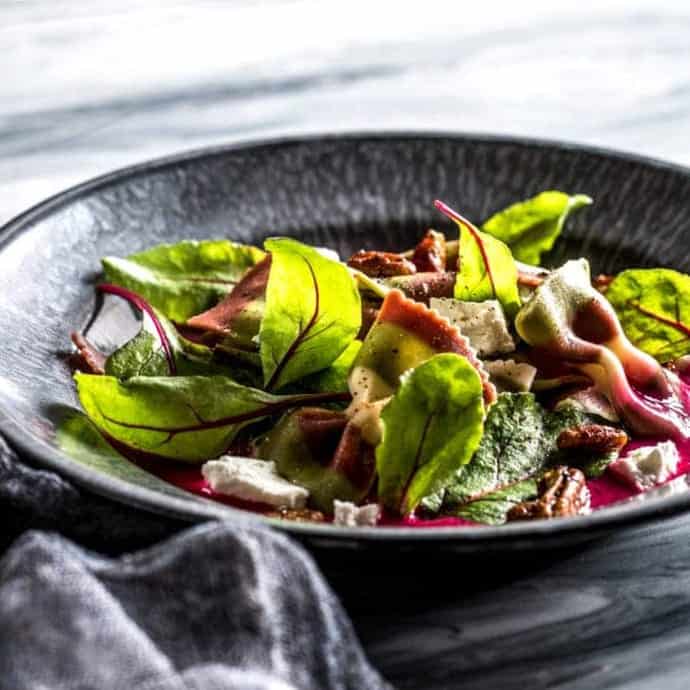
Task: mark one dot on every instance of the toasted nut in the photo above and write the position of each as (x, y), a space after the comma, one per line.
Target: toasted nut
(297, 514)
(430, 254)
(381, 264)
(595, 438)
(562, 491)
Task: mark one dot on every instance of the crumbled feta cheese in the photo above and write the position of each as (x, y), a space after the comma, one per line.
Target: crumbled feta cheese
(253, 480)
(484, 323)
(648, 466)
(346, 514)
(509, 375)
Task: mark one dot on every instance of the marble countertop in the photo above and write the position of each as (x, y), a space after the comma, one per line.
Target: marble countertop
(89, 87)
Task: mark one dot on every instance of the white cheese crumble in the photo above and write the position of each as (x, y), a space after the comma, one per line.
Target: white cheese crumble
(648, 466)
(253, 480)
(509, 375)
(346, 514)
(483, 323)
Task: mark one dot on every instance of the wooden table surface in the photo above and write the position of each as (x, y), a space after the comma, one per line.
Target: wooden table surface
(88, 87)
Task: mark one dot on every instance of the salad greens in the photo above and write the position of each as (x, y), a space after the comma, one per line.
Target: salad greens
(653, 306)
(354, 381)
(183, 279)
(160, 350)
(530, 228)
(518, 443)
(486, 268)
(187, 418)
(313, 312)
(431, 427)
(335, 378)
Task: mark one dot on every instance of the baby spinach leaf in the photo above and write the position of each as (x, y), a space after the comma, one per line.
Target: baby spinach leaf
(531, 227)
(313, 312)
(492, 508)
(653, 306)
(183, 279)
(431, 427)
(486, 268)
(189, 418)
(513, 448)
(519, 442)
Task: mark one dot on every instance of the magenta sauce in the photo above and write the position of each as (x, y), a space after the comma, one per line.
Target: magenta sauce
(604, 490)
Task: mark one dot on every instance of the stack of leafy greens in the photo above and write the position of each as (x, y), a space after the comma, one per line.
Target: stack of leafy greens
(407, 379)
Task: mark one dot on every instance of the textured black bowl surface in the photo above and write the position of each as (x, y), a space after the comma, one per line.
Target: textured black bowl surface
(346, 192)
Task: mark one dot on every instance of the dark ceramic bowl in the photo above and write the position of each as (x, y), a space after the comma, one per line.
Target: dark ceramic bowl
(345, 192)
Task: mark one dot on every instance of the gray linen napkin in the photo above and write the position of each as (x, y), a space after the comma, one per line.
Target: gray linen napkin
(223, 605)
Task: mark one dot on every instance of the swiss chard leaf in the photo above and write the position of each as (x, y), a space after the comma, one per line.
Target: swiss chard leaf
(313, 312)
(653, 306)
(335, 378)
(531, 227)
(183, 279)
(159, 349)
(519, 442)
(432, 426)
(486, 268)
(189, 418)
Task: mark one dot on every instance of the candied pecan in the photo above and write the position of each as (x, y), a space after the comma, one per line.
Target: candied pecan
(595, 438)
(381, 264)
(297, 514)
(430, 254)
(562, 491)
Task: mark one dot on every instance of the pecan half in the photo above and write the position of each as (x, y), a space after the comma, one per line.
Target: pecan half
(381, 264)
(562, 491)
(430, 254)
(297, 514)
(595, 438)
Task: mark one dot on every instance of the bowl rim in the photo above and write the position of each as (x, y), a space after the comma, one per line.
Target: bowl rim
(196, 508)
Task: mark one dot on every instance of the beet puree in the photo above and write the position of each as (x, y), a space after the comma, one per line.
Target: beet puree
(604, 490)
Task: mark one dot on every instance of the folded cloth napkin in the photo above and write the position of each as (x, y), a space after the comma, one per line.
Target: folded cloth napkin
(223, 605)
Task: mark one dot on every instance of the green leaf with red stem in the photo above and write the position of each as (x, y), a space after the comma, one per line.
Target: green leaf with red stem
(486, 268)
(313, 312)
(183, 279)
(188, 418)
(159, 349)
(530, 228)
(653, 306)
(431, 428)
